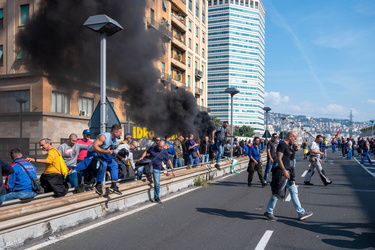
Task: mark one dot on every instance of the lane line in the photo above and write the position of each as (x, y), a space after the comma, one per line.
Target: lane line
(263, 242)
(63, 237)
(304, 173)
(288, 198)
(368, 171)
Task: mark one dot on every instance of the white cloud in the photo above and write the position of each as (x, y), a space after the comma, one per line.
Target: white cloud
(371, 101)
(275, 98)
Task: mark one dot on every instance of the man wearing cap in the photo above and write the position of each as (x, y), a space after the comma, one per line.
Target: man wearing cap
(85, 141)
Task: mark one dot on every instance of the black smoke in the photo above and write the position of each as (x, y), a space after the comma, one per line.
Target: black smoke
(61, 47)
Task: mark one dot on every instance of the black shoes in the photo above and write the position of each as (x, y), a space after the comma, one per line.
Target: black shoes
(158, 200)
(217, 166)
(308, 183)
(98, 189)
(115, 190)
(264, 184)
(249, 184)
(270, 217)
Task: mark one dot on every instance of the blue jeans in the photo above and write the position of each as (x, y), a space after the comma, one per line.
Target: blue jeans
(2, 199)
(268, 169)
(220, 151)
(177, 162)
(110, 166)
(74, 178)
(156, 175)
(140, 172)
(333, 148)
(205, 158)
(293, 194)
(193, 161)
(19, 195)
(349, 155)
(366, 155)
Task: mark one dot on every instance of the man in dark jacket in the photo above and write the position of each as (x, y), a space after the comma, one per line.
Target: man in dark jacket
(5, 170)
(283, 174)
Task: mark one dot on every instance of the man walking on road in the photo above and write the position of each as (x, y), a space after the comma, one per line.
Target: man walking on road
(255, 164)
(284, 174)
(316, 162)
(271, 155)
(366, 151)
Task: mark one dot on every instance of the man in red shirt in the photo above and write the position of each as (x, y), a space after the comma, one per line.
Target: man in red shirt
(85, 141)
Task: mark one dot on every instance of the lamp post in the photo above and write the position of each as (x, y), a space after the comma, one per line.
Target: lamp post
(106, 26)
(282, 127)
(21, 101)
(232, 92)
(372, 128)
(267, 109)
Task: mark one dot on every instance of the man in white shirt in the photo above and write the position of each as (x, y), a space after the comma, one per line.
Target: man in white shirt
(316, 162)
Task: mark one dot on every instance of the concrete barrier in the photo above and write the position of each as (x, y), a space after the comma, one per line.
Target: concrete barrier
(47, 216)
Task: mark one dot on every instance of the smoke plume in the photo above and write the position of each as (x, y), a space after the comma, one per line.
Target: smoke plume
(60, 46)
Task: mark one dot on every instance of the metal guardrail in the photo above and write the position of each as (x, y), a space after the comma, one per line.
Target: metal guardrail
(34, 221)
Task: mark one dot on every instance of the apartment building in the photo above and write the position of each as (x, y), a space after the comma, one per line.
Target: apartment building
(236, 59)
(47, 110)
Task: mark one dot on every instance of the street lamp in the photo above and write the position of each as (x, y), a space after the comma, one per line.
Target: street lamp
(267, 109)
(106, 26)
(372, 128)
(282, 127)
(21, 101)
(232, 92)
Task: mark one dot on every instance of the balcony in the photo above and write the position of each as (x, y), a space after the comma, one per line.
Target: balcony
(198, 91)
(202, 108)
(178, 62)
(179, 22)
(163, 28)
(198, 74)
(178, 41)
(165, 77)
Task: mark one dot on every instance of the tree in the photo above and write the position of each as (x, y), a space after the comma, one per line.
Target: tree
(245, 131)
(216, 121)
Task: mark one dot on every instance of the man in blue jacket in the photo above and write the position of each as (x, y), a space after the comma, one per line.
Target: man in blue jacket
(19, 183)
(255, 163)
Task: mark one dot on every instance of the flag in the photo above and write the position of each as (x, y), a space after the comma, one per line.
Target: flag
(337, 134)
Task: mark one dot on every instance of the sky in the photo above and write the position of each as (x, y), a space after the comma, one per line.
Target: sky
(320, 58)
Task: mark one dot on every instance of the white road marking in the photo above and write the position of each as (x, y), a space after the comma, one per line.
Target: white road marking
(263, 242)
(63, 237)
(365, 168)
(288, 198)
(304, 174)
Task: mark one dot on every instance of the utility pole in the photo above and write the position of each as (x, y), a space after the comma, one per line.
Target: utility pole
(351, 124)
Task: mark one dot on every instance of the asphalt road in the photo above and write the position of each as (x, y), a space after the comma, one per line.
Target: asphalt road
(226, 214)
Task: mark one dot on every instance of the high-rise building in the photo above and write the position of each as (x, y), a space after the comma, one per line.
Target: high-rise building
(236, 59)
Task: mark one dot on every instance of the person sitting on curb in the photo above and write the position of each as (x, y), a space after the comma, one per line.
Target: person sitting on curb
(19, 183)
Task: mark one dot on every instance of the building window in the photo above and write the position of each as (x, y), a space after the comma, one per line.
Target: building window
(203, 53)
(164, 5)
(59, 102)
(191, 5)
(196, 65)
(203, 69)
(189, 44)
(189, 61)
(1, 55)
(196, 48)
(8, 101)
(203, 37)
(188, 81)
(197, 8)
(162, 69)
(203, 12)
(196, 31)
(24, 14)
(85, 106)
(190, 24)
(1, 18)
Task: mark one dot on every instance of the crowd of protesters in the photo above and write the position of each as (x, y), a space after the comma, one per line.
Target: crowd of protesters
(84, 164)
